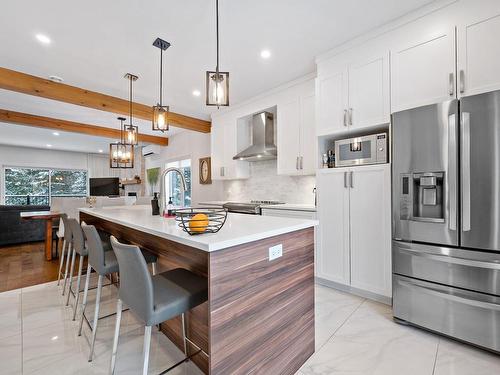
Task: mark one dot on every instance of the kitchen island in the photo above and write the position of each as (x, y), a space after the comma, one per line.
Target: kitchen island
(259, 317)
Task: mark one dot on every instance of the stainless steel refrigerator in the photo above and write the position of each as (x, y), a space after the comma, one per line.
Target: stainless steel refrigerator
(446, 218)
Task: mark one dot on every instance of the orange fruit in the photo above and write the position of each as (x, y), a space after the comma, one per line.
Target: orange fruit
(198, 223)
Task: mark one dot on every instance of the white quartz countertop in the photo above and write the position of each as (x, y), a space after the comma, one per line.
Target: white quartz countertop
(237, 230)
(291, 207)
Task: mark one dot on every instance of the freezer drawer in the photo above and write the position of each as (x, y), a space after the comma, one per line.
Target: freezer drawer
(467, 316)
(467, 269)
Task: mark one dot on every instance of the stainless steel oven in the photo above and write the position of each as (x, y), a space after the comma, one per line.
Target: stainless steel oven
(368, 149)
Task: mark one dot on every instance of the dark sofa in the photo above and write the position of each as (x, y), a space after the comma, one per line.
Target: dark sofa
(15, 230)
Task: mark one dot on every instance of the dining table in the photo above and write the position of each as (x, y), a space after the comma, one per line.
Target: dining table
(48, 216)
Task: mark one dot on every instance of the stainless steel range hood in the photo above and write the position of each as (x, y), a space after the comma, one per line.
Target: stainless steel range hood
(262, 147)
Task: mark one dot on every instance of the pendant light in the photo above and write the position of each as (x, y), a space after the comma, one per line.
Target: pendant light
(130, 131)
(160, 111)
(217, 82)
(121, 154)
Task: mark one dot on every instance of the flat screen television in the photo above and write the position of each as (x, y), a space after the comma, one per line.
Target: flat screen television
(105, 186)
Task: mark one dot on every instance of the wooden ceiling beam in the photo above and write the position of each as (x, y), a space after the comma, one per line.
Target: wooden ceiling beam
(19, 118)
(44, 88)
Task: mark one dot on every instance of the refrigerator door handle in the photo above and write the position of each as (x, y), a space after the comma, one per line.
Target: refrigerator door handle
(465, 152)
(452, 170)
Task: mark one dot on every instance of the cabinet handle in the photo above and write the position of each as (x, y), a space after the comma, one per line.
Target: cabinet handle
(301, 162)
(297, 163)
(451, 84)
(345, 117)
(350, 116)
(345, 180)
(462, 81)
(222, 171)
(351, 175)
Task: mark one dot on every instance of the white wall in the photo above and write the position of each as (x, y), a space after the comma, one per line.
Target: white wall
(96, 165)
(188, 145)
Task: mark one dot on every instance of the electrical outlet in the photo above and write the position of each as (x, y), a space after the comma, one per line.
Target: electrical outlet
(275, 252)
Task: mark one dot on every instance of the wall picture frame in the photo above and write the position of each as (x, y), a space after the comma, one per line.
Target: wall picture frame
(205, 170)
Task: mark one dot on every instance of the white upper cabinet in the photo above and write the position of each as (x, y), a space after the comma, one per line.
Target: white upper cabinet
(296, 136)
(369, 97)
(370, 219)
(479, 56)
(354, 97)
(308, 141)
(225, 143)
(288, 132)
(331, 102)
(423, 72)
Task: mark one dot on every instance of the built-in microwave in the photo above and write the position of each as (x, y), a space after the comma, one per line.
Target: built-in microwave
(368, 149)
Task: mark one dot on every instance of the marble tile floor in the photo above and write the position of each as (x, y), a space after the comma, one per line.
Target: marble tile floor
(354, 336)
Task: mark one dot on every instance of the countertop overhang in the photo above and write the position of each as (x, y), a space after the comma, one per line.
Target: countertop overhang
(238, 229)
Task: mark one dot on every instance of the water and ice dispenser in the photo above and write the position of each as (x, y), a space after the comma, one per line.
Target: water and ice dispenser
(422, 196)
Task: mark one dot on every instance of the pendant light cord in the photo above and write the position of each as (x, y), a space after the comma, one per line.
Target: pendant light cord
(161, 76)
(131, 79)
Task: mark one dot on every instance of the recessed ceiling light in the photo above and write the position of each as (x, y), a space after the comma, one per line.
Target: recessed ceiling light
(56, 79)
(55, 133)
(265, 54)
(44, 39)
(48, 145)
(100, 151)
(196, 92)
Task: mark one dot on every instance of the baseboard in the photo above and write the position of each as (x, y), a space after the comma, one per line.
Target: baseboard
(358, 292)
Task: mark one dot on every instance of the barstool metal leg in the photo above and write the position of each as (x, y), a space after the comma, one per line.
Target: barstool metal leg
(61, 261)
(67, 266)
(96, 316)
(70, 276)
(85, 293)
(147, 345)
(153, 268)
(119, 306)
(78, 279)
(183, 318)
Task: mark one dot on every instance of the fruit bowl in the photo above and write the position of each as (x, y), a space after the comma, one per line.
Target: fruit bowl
(201, 220)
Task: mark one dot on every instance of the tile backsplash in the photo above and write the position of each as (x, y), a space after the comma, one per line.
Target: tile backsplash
(265, 184)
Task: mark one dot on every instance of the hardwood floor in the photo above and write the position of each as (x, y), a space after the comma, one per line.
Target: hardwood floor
(24, 265)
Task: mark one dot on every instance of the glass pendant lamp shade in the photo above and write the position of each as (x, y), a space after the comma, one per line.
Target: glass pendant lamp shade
(131, 132)
(160, 117)
(121, 154)
(217, 88)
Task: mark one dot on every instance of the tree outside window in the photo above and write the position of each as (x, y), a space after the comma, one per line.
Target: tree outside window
(36, 186)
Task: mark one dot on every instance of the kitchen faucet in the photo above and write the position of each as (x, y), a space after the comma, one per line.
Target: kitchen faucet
(163, 198)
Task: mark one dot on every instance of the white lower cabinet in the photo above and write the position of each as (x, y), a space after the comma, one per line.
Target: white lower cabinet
(354, 211)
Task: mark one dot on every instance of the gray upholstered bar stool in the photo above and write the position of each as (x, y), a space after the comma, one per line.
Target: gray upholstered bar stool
(154, 299)
(80, 249)
(105, 264)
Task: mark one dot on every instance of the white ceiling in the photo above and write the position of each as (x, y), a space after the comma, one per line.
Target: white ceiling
(95, 42)
(27, 136)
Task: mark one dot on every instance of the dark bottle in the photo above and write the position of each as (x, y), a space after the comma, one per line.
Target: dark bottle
(170, 208)
(154, 205)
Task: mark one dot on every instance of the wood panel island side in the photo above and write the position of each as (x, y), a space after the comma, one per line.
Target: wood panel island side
(259, 317)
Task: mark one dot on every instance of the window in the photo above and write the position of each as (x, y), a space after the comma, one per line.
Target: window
(36, 186)
(180, 197)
